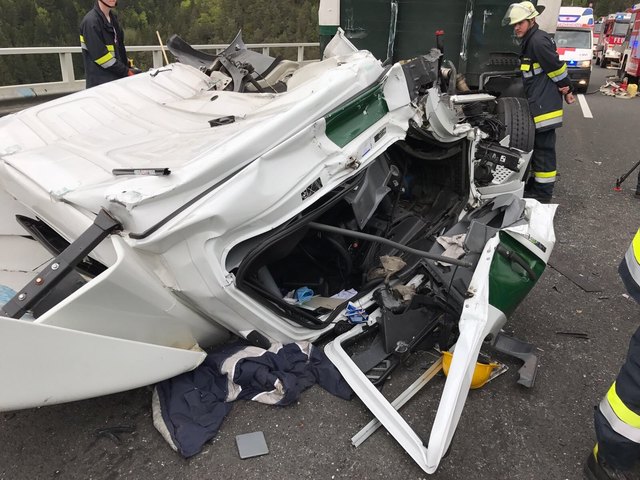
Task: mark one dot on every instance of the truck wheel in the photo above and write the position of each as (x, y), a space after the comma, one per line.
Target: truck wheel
(514, 114)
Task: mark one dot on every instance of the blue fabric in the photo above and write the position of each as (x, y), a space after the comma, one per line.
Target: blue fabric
(6, 294)
(194, 404)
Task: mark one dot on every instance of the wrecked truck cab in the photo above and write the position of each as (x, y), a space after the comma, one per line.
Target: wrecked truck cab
(340, 197)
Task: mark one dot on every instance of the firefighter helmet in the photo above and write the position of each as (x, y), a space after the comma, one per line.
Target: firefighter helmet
(481, 373)
(518, 12)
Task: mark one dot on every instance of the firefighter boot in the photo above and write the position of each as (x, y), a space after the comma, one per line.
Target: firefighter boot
(536, 193)
(597, 469)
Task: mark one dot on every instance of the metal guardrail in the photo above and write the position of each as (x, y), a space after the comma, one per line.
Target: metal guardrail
(69, 83)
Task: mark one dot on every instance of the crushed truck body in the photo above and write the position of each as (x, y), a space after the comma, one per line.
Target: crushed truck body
(241, 194)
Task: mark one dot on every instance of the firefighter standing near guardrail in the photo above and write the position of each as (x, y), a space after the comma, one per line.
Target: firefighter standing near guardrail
(617, 418)
(546, 81)
(102, 41)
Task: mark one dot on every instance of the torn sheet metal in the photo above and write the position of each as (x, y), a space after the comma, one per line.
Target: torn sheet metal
(474, 325)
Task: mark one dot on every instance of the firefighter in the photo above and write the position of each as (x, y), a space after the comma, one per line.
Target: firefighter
(102, 41)
(617, 418)
(546, 81)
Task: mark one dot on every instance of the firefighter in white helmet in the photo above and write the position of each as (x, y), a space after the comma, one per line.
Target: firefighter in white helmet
(546, 81)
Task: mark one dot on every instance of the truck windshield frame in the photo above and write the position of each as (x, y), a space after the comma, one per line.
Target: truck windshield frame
(620, 29)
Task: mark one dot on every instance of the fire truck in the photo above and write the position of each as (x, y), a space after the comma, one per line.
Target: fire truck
(630, 65)
(615, 34)
(597, 31)
(603, 38)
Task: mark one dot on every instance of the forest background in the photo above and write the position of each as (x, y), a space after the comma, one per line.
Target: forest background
(40, 23)
(43, 23)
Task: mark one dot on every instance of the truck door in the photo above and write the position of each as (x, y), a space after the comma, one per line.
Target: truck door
(402, 29)
(489, 46)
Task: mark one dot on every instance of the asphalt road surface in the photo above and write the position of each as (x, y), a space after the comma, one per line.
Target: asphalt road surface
(506, 431)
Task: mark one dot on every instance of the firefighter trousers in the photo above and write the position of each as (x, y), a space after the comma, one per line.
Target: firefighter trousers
(617, 418)
(543, 164)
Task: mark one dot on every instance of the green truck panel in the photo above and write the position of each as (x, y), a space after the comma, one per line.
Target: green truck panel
(347, 122)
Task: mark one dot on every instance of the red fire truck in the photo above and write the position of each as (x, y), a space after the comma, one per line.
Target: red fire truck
(605, 33)
(597, 30)
(631, 60)
(613, 38)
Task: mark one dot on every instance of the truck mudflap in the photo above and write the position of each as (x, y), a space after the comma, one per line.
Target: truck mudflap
(44, 364)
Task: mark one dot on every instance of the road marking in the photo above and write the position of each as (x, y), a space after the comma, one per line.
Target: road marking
(586, 111)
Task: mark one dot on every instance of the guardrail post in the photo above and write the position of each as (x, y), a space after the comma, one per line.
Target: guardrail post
(66, 66)
(157, 59)
(301, 53)
(265, 50)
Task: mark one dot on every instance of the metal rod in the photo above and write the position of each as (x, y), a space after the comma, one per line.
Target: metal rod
(369, 429)
(103, 226)
(624, 177)
(374, 238)
(166, 60)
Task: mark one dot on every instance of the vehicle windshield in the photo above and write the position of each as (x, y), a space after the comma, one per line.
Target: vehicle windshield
(573, 38)
(620, 29)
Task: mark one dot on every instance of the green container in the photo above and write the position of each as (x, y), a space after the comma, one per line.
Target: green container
(508, 281)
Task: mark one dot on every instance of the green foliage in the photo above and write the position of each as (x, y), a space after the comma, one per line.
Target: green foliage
(601, 8)
(33, 23)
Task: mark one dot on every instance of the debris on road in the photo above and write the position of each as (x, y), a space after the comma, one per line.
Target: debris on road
(112, 432)
(189, 409)
(619, 89)
(251, 445)
(574, 335)
(578, 279)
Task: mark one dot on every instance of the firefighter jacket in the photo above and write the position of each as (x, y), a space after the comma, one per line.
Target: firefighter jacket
(630, 268)
(617, 418)
(542, 74)
(103, 51)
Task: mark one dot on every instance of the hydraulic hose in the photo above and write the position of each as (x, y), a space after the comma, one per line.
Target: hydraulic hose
(374, 238)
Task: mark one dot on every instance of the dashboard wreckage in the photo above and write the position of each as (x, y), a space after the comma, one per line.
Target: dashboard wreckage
(278, 201)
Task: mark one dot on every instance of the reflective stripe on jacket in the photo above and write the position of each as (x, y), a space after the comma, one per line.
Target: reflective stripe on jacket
(542, 74)
(629, 268)
(621, 418)
(103, 50)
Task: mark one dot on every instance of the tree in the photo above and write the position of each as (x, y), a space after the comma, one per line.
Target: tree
(28, 23)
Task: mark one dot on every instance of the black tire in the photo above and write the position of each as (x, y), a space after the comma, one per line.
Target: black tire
(514, 114)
